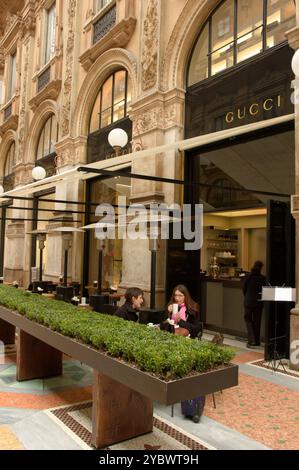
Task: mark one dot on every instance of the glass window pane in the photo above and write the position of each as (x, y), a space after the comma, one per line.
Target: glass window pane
(119, 86)
(50, 34)
(250, 39)
(223, 37)
(199, 66)
(129, 93)
(281, 18)
(53, 139)
(119, 111)
(40, 149)
(10, 160)
(12, 77)
(107, 94)
(106, 117)
(95, 115)
(99, 4)
(47, 137)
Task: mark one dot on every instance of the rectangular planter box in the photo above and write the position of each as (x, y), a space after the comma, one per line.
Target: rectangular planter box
(150, 386)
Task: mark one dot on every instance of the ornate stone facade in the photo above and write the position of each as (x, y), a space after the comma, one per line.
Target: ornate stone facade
(67, 85)
(152, 41)
(150, 51)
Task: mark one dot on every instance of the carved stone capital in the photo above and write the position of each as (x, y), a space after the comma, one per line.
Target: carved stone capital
(71, 152)
(158, 111)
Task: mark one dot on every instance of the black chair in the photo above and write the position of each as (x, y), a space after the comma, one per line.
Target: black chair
(109, 309)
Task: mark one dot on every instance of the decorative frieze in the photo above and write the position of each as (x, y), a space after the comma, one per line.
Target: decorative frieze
(67, 85)
(158, 118)
(149, 59)
(24, 93)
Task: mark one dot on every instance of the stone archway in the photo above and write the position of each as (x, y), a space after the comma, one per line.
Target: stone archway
(185, 32)
(42, 113)
(9, 137)
(98, 73)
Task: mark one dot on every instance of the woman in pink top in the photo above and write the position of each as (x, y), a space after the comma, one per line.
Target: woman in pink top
(184, 311)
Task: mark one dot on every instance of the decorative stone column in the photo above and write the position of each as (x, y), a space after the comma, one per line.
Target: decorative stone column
(70, 152)
(293, 38)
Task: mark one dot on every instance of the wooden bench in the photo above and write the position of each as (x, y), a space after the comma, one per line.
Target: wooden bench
(122, 394)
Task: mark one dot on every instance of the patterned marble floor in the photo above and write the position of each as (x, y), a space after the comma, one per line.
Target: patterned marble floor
(262, 412)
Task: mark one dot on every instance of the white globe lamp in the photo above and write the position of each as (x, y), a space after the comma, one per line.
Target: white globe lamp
(118, 139)
(38, 173)
(295, 63)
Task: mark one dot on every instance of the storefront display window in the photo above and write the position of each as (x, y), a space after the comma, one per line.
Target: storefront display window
(112, 102)
(239, 30)
(48, 138)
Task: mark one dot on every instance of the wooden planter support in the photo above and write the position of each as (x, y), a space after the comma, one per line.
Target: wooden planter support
(7, 332)
(122, 395)
(36, 359)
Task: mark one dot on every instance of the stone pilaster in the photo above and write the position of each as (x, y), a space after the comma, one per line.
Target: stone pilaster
(293, 38)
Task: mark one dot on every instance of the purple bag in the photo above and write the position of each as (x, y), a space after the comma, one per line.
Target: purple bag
(193, 408)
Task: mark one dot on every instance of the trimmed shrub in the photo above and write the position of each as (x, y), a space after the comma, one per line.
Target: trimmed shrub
(151, 350)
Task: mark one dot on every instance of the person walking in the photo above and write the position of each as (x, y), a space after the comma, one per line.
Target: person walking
(252, 288)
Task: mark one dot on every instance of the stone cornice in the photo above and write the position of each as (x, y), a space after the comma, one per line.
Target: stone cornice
(50, 92)
(11, 123)
(11, 35)
(118, 36)
(293, 37)
(158, 98)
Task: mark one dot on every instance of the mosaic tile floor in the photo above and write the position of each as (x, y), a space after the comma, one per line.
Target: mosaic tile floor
(165, 436)
(260, 409)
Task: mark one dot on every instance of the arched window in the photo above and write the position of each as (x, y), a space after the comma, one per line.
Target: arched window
(112, 102)
(10, 160)
(238, 30)
(48, 138)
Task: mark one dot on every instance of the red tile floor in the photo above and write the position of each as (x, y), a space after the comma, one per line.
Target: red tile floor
(259, 409)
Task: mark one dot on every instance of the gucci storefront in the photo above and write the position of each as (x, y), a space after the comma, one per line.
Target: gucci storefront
(239, 74)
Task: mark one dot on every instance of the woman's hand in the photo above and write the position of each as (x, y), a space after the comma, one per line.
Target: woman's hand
(169, 308)
(176, 317)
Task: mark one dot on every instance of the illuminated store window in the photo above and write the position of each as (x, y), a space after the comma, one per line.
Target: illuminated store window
(238, 30)
(10, 160)
(112, 102)
(250, 29)
(48, 138)
(222, 37)
(280, 18)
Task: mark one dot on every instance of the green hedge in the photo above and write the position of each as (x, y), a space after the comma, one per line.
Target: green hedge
(154, 351)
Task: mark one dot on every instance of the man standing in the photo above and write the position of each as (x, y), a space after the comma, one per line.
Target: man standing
(253, 307)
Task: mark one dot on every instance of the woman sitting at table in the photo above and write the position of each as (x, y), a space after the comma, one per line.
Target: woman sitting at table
(184, 312)
(130, 309)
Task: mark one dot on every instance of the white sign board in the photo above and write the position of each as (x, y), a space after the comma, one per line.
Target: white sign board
(279, 294)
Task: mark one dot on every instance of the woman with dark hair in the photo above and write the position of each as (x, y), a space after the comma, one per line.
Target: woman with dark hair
(252, 288)
(130, 309)
(184, 312)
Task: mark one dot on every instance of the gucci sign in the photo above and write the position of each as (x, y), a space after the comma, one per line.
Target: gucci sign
(253, 110)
